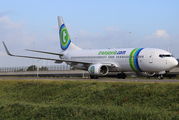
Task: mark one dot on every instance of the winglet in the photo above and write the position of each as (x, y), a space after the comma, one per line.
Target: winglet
(7, 51)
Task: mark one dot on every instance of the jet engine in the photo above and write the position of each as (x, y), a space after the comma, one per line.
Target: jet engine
(98, 69)
(146, 74)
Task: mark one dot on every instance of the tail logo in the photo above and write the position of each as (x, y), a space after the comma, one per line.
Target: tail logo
(133, 60)
(64, 37)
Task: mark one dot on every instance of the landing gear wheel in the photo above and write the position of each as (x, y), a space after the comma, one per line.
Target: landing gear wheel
(93, 77)
(160, 77)
(121, 76)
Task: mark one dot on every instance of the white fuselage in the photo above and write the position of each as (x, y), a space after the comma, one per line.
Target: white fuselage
(145, 60)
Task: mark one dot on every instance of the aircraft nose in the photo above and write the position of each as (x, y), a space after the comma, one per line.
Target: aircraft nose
(177, 63)
(174, 63)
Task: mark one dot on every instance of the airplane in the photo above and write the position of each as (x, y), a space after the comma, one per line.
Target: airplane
(99, 62)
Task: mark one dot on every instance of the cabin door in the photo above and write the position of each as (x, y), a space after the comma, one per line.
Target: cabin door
(151, 57)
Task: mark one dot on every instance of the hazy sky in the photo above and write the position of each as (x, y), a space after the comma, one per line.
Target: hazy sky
(91, 24)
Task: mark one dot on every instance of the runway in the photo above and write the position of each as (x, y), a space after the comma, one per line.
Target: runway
(87, 79)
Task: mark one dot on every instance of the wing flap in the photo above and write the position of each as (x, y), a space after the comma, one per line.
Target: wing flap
(60, 54)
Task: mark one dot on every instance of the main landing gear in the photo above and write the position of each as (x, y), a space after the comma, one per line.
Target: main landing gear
(93, 77)
(121, 76)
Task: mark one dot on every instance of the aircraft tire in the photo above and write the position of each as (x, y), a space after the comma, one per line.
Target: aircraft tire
(121, 76)
(92, 77)
(160, 77)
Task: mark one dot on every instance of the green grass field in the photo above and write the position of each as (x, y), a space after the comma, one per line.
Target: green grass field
(48, 99)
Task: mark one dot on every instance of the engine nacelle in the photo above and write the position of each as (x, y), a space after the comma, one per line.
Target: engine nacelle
(98, 69)
(146, 74)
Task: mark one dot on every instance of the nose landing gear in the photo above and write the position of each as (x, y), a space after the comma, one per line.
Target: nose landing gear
(160, 77)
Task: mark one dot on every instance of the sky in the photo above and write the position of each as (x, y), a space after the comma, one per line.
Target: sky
(92, 24)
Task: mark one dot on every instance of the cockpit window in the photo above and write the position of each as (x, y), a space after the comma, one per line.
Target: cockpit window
(162, 55)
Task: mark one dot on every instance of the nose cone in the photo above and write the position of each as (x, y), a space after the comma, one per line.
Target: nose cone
(173, 63)
(177, 62)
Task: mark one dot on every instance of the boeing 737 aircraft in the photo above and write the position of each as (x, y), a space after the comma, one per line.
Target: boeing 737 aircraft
(99, 62)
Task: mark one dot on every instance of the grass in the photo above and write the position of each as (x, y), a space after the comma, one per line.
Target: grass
(29, 99)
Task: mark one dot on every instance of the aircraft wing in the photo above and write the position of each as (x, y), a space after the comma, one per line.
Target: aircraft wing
(60, 54)
(56, 60)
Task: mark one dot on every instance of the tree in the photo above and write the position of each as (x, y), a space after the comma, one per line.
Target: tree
(32, 68)
(42, 68)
